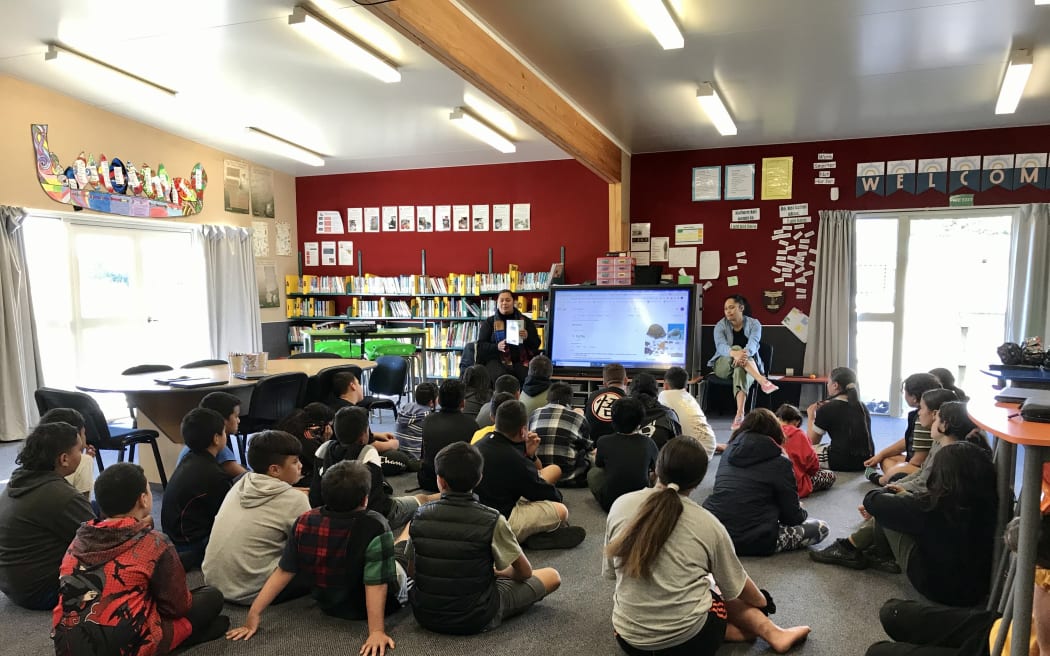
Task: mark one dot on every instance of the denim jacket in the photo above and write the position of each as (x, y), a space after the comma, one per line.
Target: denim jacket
(724, 340)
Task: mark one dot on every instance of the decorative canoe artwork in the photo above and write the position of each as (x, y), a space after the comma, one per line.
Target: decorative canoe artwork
(116, 187)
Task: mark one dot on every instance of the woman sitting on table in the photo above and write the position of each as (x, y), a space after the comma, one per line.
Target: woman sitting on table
(846, 422)
(737, 336)
(496, 352)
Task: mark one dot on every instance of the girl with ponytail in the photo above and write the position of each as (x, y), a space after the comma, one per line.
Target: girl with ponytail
(660, 547)
(846, 422)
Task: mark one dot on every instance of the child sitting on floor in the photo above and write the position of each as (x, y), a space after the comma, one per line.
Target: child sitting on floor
(122, 587)
(481, 577)
(809, 477)
(347, 552)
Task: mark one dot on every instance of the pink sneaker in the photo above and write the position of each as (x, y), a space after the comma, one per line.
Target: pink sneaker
(736, 422)
(769, 387)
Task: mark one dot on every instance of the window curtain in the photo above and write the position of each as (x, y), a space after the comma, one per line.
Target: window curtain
(20, 371)
(833, 315)
(234, 325)
(1029, 283)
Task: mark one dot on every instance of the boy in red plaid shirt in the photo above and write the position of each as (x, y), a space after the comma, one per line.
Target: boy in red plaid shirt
(348, 553)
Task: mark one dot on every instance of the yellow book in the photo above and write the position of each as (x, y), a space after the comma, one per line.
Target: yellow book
(308, 284)
(353, 307)
(513, 275)
(539, 331)
(348, 284)
(289, 307)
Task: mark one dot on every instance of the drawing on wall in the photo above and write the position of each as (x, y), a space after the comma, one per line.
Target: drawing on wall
(262, 192)
(266, 280)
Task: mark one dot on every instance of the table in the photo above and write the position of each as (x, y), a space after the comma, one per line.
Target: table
(417, 335)
(804, 380)
(1002, 420)
(161, 407)
(1035, 377)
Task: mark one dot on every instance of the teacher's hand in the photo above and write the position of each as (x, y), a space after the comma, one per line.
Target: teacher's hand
(502, 346)
(523, 334)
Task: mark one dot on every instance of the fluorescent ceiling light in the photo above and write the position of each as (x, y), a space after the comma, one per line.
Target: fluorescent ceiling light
(89, 64)
(275, 144)
(1042, 2)
(1013, 82)
(341, 43)
(715, 109)
(660, 20)
(467, 121)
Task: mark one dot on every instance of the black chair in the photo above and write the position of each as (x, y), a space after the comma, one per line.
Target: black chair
(316, 355)
(273, 398)
(101, 435)
(765, 352)
(387, 379)
(319, 387)
(203, 363)
(141, 369)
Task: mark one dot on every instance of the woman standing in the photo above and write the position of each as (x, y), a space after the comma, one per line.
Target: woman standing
(755, 494)
(846, 422)
(494, 351)
(737, 337)
(661, 548)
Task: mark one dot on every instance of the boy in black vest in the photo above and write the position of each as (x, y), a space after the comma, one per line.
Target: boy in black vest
(470, 573)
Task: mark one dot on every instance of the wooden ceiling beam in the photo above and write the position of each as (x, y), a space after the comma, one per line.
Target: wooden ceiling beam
(453, 38)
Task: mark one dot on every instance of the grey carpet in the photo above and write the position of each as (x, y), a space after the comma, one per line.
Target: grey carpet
(840, 604)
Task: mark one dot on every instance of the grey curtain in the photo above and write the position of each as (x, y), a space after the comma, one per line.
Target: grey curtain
(234, 324)
(20, 371)
(833, 315)
(1029, 286)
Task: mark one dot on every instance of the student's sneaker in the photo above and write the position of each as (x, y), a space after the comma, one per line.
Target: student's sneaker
(882, 562)
(841, 552)
(768, 387)
(563, 537)
(872, 475)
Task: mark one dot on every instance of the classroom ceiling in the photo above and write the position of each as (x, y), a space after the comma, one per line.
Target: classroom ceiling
(790, 70)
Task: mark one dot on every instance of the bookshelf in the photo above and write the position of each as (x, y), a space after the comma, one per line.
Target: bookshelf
(448, 308)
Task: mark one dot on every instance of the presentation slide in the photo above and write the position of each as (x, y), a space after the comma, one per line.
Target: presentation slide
(638, 328)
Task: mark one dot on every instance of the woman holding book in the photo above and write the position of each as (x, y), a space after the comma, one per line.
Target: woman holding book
(507, 340)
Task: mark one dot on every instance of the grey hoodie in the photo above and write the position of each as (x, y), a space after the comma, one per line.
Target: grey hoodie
(40, 513)
(249, 535)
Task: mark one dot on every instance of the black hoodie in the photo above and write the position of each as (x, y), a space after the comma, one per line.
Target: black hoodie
(40, 513)
(755, 493)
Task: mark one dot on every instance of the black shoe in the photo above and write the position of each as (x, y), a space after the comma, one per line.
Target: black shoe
(563, 537)
(841, 552)
(882, 562)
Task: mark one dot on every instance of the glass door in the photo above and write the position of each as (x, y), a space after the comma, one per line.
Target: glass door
(106, 298)
(931, 292)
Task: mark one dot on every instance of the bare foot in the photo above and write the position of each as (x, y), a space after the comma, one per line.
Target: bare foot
(784, 639)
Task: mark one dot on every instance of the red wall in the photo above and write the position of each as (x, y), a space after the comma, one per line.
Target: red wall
(661, 194)
(569, 207)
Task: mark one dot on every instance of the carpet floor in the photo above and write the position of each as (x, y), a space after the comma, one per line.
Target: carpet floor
(841, 605)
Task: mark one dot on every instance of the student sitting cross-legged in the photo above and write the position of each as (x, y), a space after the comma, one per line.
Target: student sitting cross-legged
(312, 426)
(122, 588)
(255, 520)
(39, 515)
(469, 571)
(449, 424)
(505, 383)
(410, 420)
(347, 554)
(351, 443)
(83, 479)
(348, 393)
(563, 436)
(515, 483)
(624, 461)
(196, 488)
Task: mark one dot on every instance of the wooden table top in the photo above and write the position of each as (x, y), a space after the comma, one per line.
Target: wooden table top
(799, 379)
(142, 383)
(1003, 420)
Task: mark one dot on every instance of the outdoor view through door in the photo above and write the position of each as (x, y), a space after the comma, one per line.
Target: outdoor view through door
(106, 298)
(931, 292)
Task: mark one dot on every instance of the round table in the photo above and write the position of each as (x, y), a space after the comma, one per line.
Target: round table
(162, 407)
(1004, 421)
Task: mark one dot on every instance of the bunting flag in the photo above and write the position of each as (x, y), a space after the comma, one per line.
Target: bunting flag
(1030, 170)
(997, 171)
(900, 176)
(969, 174)
(965, 173)
(871, 178)
(932, 174)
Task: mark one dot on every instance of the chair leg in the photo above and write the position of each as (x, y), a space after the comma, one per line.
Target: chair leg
(120, 456)
(98, 460)
(242, 449)
(131, 452)
(160, 464)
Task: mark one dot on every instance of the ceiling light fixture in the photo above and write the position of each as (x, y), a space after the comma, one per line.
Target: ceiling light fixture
(715, 109)
(1016, 77)
(54, 49)
(660, 20)
(1042, 2)
(279, 146)
(478, 128)
(323, 31)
